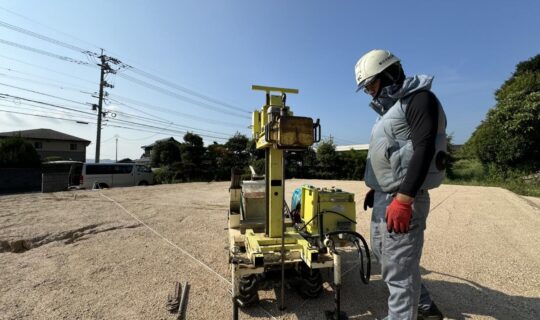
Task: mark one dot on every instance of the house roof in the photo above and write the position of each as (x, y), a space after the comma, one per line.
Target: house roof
(43, 134)
(353, 147)
(166, 139)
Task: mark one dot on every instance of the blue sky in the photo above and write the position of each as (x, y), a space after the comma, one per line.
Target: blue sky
(220, 48)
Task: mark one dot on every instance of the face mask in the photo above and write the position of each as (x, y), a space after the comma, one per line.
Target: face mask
(386, 99)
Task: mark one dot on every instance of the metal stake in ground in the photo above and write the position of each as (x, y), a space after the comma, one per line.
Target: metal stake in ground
(183, 302)
(173, 301)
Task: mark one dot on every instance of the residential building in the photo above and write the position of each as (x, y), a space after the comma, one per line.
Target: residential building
(146, 157)
(50, 143)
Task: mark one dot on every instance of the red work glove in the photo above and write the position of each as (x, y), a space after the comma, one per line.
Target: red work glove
(398, 216)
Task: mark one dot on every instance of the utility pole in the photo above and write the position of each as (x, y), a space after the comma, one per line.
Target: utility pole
(116, 157)
(105, 69)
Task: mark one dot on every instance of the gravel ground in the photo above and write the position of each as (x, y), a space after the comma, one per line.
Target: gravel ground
(115, 254)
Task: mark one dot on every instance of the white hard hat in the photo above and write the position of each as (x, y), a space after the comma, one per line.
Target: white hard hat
(371, 64)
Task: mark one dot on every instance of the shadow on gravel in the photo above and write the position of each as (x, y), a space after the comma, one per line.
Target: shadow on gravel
(460, 300)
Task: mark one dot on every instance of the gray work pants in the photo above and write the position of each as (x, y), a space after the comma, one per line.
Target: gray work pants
(399, 256)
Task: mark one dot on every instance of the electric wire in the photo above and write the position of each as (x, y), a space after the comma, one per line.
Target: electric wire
(186, 90)
(179, 96)
(48, 27)
(43, 52)
(42, 37)
(44, 116)
(47, 69)
(197, 130)
(61, 87)
(145, 130)
(43, 94)
(44, 109)
(41, 102)
(165, 122)
(155, 127)
(115, 97)
(91, 55)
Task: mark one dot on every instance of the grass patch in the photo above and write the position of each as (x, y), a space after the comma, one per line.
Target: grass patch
(473, 173)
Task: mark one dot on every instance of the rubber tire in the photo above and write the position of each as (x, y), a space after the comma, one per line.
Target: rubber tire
(248, 290)
(311, 283)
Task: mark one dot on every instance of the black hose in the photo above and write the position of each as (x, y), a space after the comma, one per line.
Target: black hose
(324, 212)
(365, 274)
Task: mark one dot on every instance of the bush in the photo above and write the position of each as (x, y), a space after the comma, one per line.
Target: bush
(18, 153)
(164, 175)
(467, 169)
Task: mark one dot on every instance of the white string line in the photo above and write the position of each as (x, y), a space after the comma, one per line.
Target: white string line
(168, 241)
(182, 250)
(438, 204)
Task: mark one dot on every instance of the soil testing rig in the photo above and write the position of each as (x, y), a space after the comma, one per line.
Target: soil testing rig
(270, 243)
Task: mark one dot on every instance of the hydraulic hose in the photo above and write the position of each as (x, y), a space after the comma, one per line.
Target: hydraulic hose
(365, 274)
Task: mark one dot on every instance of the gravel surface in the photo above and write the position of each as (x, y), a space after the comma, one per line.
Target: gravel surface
(115, 254)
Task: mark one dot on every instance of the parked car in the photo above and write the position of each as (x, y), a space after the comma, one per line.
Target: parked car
(108, 175)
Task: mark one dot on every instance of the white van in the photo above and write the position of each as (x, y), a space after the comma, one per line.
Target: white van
(108, 175)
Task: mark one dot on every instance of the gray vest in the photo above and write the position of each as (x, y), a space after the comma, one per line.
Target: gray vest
(391, 149)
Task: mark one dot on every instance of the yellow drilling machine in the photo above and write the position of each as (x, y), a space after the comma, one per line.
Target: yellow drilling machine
(271, 242)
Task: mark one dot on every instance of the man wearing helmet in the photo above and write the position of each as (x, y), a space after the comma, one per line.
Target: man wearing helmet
(406, 158)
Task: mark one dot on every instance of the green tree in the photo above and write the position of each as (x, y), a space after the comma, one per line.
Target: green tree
(237, 152)
(352, 164)
(327, 159)
(18, 153)
(509, 137)
(165, 153)
(215, 162)
(192, 153)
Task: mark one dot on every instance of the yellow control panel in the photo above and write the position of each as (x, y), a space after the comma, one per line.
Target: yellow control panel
(337, 208)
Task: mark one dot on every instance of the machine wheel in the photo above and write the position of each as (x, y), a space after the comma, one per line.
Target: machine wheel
(311, 283)
(248, 287)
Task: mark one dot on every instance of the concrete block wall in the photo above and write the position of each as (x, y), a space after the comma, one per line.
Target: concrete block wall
(14, 180)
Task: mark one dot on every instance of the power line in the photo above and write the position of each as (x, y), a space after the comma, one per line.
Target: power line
(165, 122)
(48, 27)
(144, 130)
(44, 38)
(184, 89)
(179, 96)
(61, 87)
(166, 110)
(44, 109)
(3, 95)
(47, 69)
(43, 52)
(155, 127)
(43, 94)
(104, 66)
(136, 70)
(108, 125)
(43, 116)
